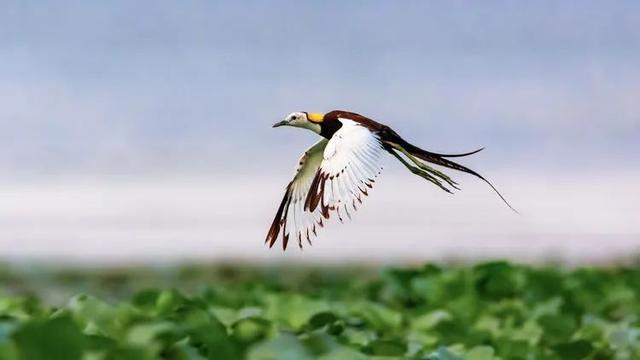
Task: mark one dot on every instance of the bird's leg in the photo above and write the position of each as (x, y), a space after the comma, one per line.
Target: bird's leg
(420, 172)
(426, 167)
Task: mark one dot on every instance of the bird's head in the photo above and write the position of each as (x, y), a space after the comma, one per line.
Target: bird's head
(303, 119)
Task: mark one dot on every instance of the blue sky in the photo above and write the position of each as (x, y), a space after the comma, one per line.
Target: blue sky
(159, 86)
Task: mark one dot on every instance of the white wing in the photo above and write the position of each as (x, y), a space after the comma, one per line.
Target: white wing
(350, 165)
(291, 217)
(332, 177)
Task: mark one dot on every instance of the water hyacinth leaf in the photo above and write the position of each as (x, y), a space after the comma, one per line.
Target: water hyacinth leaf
(444, 353)
(145, 334)
(430, 320)
(100, 343)
(169, 300)
(343, 353)
(557, 328)
(574, 350)
(495, 310)
(319, 343)
(480, 353)
(357, 337)
(386, 348)
(322, 319)
(146, 299)
(283, 347)
(6, 328)
(249, 330)
(376, 315)
(8, 351)
(40, 339)
(294, 310)
(498, 280)
(95, 316)
(183, 351)
(512, 348)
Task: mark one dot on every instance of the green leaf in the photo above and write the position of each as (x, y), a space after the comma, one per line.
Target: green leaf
(377, 316)
(145, 334)
(283, 347)
(386, 348)
(443, 354)
(322, 319)
(512, 348)
(343, 353)
(6, 328)
(575, 350)
(499, 279)
(41, 339)
(294, 310)
(480, 353)
(250, 330)
(494, 310)
(557, 328)
(146, 300)
(430, 320)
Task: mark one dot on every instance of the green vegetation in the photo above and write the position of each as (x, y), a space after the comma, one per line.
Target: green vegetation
(490, 311)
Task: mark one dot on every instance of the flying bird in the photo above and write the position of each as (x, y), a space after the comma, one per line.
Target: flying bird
(337, 172)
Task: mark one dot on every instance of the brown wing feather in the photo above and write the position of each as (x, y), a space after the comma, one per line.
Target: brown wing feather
(294, 195)
(274, 230)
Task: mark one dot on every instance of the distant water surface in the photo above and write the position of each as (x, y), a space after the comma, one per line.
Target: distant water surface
(575, 218)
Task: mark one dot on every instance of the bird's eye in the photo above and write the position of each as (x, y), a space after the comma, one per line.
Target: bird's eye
(294, 118)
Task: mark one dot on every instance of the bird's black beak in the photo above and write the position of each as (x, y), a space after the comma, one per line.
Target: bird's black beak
(280, 123)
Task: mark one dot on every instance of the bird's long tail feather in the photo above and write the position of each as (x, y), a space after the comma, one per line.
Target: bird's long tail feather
(412, 152)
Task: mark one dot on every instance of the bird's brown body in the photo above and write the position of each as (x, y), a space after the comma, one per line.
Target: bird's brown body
(331, 123)
(390, 139)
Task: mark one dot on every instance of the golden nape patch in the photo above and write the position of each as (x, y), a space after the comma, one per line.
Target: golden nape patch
(315, 117)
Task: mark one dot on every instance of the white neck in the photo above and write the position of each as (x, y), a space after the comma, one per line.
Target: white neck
(310, 126)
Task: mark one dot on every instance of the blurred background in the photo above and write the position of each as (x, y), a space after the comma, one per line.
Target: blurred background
(137, 133)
